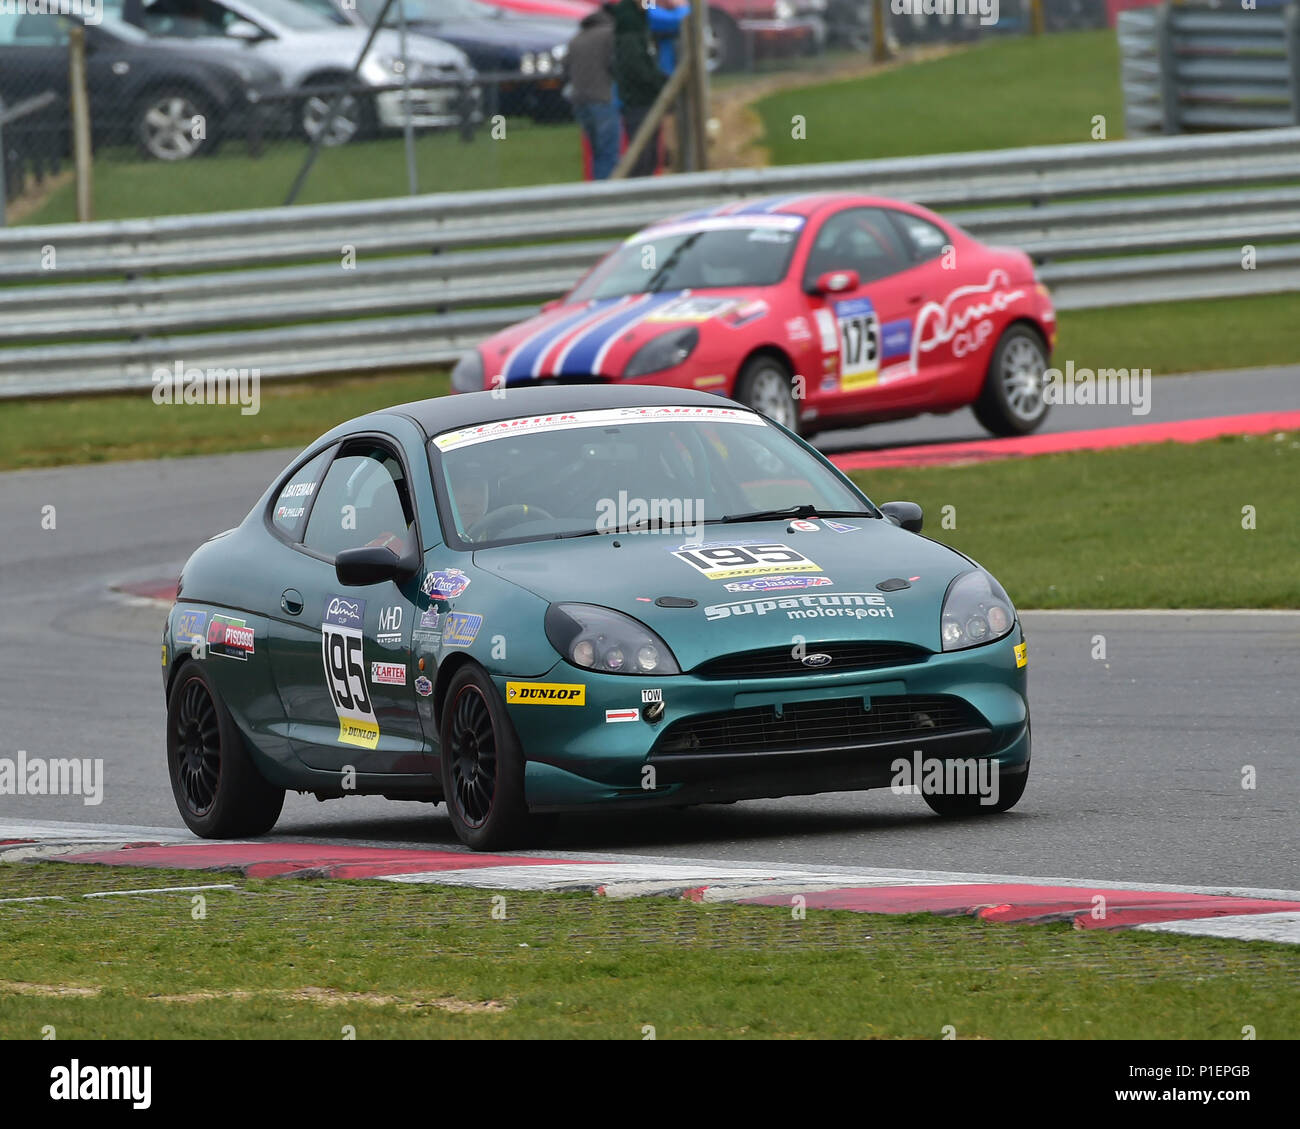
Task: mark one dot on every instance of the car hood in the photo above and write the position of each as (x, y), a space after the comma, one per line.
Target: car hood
(841, 602)
(518, 32)
(599, 337)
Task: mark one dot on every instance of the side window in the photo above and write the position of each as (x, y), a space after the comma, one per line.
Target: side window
(926, 240)
(860, 239)
(186, 19)
(33, 29)
(362, 501)
(290, 506)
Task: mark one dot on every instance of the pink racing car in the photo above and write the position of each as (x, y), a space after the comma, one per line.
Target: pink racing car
(821, 311)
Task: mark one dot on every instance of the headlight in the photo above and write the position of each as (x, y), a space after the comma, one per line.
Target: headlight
(664, 351)
(976, 610)
(467, 376)
(528, 63)
(783, 10)
(560, 52)
(606, 641)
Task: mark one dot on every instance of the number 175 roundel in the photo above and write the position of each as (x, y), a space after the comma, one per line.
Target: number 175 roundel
(820, 311)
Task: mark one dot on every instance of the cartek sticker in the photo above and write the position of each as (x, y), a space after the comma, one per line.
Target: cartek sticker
(839, 526)
(191, 626)
(423, 686)
(827, 331)
(726, 561)
(777, 583)
(388, 674)
(842, 605)
(546, 694)
(229, 637)
(390, 626)
(342, 652)
(595, 417)
(622, 715)
(445, 585)
(859, 332)
(1022, 655)
(460, 630)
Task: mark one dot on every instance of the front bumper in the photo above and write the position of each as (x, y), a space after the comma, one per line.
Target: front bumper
(436, 107)
(576, 758)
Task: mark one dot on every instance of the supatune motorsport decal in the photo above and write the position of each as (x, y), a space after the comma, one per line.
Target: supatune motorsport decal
(342, 652)
(840, 605)
(723, 562)
(546, 694)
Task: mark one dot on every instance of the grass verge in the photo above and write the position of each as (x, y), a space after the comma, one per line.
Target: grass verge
(305, 959)
(1158, 526)
(964, 101)
(1167, 338)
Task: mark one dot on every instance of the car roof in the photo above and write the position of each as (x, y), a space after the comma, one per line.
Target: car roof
(805, 204)
(445, 413)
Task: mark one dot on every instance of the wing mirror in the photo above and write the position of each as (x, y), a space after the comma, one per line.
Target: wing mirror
(836, 282)
(906, 514)
(244, 29)
(373, 564)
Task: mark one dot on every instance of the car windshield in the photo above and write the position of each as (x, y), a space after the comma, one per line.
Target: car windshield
(291, 14)
(727, 251)
(615, 470)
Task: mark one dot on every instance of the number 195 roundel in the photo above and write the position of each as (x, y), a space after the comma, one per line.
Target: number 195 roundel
(563, 598)
(818, 310)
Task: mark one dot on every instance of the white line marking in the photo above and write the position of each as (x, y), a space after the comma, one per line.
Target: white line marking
(158, 890)
(1282, 927)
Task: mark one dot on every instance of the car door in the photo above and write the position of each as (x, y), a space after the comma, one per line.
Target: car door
(341, 655)
(864, 331)
(34, 60)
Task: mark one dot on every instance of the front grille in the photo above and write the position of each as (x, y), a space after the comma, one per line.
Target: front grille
(780, 662)
(806, 726)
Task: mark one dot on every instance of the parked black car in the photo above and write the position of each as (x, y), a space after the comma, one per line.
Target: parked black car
(139, 92)
(529, 49)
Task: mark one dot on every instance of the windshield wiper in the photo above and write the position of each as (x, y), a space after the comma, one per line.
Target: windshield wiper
(804, 509)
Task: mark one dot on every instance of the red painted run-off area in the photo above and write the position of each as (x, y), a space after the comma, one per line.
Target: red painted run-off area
(1018, 902)
(277, 860)
(986, 450)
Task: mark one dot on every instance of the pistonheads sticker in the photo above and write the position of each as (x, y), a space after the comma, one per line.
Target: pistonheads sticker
(342, 652)
(546, 694)
(230, 637)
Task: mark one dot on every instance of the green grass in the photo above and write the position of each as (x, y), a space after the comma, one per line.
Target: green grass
(1157, 526)
(127, 186)
(305, 959)
(1168, 338)
(1000, 94)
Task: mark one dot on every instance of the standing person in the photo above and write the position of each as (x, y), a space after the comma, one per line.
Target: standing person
(591, 78)
(637, 76)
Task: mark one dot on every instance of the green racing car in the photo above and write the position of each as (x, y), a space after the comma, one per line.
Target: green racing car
(549, 599)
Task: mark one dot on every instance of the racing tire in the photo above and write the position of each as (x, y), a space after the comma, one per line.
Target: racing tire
(1010, 788)
(1012, 400)
(482, 765)
(218, 789)
(163, 125)
(766, 386)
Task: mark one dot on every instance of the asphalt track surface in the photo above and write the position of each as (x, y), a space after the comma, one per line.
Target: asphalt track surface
(1138, 758)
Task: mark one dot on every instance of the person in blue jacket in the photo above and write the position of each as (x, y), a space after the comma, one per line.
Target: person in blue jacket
(665, 18)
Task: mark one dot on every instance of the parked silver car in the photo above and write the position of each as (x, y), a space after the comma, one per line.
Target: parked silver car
(316, 55)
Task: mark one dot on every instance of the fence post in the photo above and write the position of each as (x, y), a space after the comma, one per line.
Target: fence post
(1291, 32)
(879, 24)
(81, 151)
(1168, 69)
(4, 166)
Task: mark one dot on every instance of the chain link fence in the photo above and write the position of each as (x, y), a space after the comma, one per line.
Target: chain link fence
(208, 105)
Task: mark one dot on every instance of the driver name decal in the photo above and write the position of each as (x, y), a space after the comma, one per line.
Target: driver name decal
(726, 562)
(343, 655)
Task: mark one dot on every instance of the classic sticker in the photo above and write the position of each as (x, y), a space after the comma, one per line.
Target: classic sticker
(230, 637)
(777, 583)
(546, 694)
(460, 629)
(723, 562)
(446, 584)
(342, 653)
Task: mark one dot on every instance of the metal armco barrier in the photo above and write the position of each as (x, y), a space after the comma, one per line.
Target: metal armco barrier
(1191, 67)
(416, 280)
